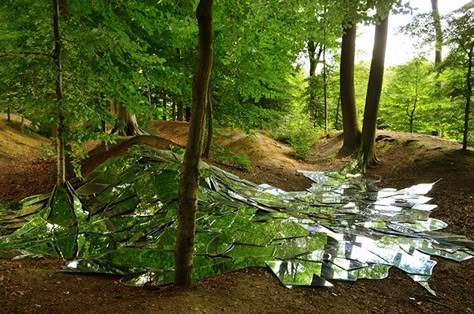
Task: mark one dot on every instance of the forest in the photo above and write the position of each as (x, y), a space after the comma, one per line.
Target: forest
(202, 148)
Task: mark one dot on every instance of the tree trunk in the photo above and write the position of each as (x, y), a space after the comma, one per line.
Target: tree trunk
(314, 56)
(148, 94)
(8, 114)
(336, 120)
(164, 107)
(374, 89)
(187, 112)
(180, 110)
(60, 154)
(415, 101)
(468, 101)
(350, 119)
(126, 122)
(325, 92)
(438, 32)
(210, 121)
(189, 179)
(173, 110)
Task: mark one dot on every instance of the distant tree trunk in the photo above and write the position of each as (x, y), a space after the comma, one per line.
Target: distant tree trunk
(210, 121)
(468, 100)
(148, 93)
(173, 110)
(336, 120)
(314, 56)
(126, 123)
(187, 112)
(60, 153)
(180, 110)
(325, 92)
(188, 185)
(374, 89)
(438, 32)
(411, 114)
(350, 119)
(8, 114)
(164, 107)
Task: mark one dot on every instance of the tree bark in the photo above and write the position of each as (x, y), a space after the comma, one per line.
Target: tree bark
(374, 89)
(164, 107)
(180, 110)
(336, 119)
(173, 110)
(350, 119)
(189, 179)
(438, 32)
(187, 113)
(60, 152)
(325, 92)
(468, 100)
(210, 121)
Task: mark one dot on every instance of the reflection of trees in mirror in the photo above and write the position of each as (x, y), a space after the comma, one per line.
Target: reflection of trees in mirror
(122, 220)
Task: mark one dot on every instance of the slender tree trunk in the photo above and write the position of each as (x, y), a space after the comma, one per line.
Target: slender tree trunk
(180, 110)
(468, 101)
(164, 107)
(438, 32)
(173, 110)
(210, 121)
(187, 112)
(8, 114)
(350, 119)
(188, 185)
(314, 52)
(325, 92)
(374, 89)
(60, 154)
(336, 120)
(415, 101)
(148, 94)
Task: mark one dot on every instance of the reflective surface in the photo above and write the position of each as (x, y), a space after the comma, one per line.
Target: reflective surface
(122, 220)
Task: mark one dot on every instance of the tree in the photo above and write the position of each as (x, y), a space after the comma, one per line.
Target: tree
(60, 153)
(438, 32)
(188, 186)
(374, 90)
(126, 123)
(350, 119)
(406, 93)
(461, 34)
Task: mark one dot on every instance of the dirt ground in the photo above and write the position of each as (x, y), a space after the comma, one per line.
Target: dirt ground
(37, 286)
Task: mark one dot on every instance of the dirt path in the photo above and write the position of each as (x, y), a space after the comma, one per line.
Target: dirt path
(37, 286)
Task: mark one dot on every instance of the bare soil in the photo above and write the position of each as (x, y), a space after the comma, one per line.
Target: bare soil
(36, 285)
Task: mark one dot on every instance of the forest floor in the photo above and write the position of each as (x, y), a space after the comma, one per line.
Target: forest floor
(35, 285)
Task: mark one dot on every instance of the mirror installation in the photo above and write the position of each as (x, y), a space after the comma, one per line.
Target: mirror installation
(122, 220)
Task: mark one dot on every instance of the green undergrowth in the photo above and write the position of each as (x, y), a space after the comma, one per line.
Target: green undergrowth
(226, 156)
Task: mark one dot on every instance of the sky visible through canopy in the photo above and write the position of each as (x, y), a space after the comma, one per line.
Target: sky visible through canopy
(400, 47)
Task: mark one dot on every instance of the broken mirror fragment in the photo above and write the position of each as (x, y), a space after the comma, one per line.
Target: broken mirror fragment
(122, 220)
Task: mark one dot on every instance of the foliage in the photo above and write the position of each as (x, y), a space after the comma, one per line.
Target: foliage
(226, 156)
(297, 128)
(407, 97)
